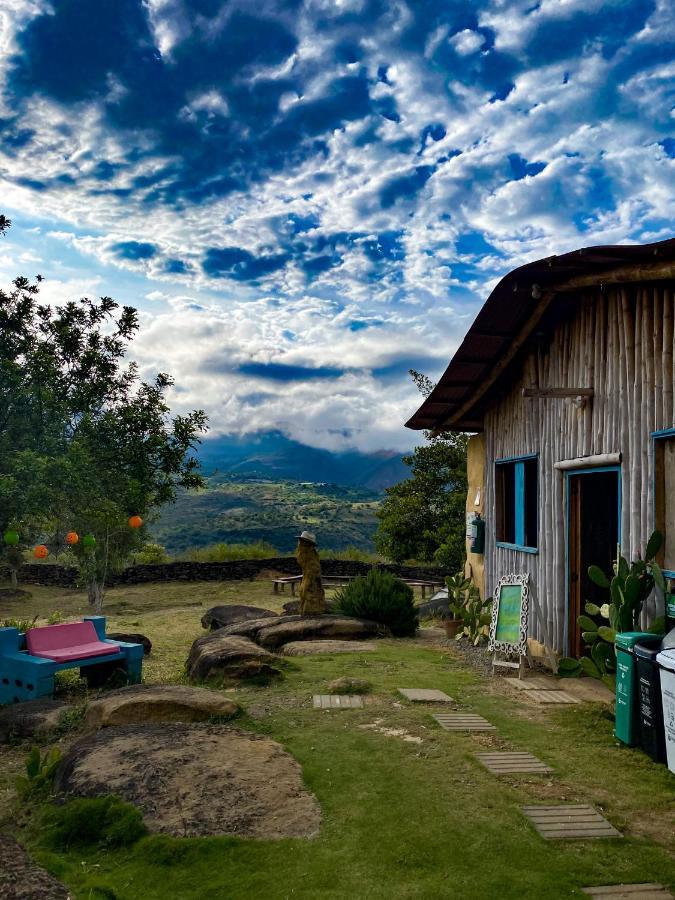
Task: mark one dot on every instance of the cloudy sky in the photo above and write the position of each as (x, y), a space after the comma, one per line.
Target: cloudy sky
(306, 198)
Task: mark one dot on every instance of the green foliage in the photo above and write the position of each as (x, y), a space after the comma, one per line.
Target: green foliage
(228, 552)
(23, 625)
(379, 597)
(466, 605)
(104, 822)
(423, 518)
(150, 554)
(40, 773)
(629, 587)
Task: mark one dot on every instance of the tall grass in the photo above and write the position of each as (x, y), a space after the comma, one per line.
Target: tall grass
(227, 552)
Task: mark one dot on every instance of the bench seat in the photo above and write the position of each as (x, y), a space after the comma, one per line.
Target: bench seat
(84, 651)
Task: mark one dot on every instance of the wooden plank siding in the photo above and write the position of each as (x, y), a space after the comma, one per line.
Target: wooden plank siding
(620, 342)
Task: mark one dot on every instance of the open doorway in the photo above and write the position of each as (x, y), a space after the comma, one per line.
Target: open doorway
(593, 497)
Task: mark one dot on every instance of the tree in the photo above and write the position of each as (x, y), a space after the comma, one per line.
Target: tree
(84, 444)
(424, 517)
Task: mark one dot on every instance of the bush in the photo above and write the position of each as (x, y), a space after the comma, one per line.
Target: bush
(99, 822)
(227, 552)
(379, 597)
(150, 554)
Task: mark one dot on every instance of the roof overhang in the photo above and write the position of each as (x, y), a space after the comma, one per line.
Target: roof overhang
(512, 314)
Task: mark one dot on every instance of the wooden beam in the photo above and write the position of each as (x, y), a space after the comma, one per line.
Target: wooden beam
(544, 393)
(514, 348)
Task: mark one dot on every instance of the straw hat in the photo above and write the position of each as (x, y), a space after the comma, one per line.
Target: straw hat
(307, 536)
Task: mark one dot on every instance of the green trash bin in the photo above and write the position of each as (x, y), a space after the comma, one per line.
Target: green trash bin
(626, 726)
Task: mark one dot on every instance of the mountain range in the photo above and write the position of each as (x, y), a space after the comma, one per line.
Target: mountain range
(274, 456)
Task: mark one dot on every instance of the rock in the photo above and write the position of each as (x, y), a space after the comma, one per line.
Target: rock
(191, 780)
(272, 635)
(31, 718)
(292, 608)
(132, 639)
(349, 686)
(22, 879)
(317, 648)
(143, 703)
(229, 656)
(222, 616)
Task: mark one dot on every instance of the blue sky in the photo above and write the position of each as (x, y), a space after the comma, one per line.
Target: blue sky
(307, 198)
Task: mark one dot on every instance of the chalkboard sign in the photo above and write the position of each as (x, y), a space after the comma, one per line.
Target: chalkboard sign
(508, 629)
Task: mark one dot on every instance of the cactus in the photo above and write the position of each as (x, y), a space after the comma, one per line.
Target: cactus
(629, 587)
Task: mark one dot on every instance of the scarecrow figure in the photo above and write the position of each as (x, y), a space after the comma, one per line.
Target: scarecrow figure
(312, 597)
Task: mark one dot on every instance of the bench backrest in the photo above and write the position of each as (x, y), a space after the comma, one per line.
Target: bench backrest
(59, 637)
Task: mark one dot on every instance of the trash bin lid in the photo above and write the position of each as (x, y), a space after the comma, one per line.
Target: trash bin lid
(668, 642)
(626, 640)
(666, 659)
(649, 648)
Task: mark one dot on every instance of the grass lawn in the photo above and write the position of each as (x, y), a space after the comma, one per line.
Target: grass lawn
(400, 819)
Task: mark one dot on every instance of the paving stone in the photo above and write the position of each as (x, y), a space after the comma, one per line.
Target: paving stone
(565, 822)
(424, 695)
(534, 683)
(546, 697)
(463, 722)
(337, 701)
(505, 763)
(647, 891)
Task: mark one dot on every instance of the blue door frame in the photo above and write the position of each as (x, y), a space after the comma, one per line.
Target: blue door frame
(570, 474)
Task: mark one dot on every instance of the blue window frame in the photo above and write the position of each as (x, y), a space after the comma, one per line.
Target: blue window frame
(517, 502)
(664, 493)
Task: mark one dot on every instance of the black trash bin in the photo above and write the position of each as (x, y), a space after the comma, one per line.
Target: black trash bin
(651, 734)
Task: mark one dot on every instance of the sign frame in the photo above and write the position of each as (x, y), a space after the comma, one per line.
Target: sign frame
(518, 647)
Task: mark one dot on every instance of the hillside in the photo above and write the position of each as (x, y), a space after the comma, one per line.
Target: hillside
(273, 456)
(242, 509)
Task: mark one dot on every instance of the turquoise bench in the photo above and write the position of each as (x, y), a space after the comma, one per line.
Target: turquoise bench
(29, 662)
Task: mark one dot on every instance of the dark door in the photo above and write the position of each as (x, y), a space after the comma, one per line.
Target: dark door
(593, 538)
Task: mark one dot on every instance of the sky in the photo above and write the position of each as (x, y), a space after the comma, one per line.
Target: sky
(305, 199)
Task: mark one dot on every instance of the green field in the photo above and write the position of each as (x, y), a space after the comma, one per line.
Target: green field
(244, 510)
(400, 819)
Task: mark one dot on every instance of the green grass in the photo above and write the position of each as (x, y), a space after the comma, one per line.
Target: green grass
(400, 820)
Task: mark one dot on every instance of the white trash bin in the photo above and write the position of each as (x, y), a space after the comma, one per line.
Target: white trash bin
(666, 661)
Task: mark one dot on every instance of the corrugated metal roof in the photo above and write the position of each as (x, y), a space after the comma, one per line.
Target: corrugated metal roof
(509, 308)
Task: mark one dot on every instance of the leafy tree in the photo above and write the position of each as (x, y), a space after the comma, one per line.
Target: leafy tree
(424, 517)
(84, 444)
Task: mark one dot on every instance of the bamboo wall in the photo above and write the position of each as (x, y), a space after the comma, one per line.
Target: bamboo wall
(620, 342)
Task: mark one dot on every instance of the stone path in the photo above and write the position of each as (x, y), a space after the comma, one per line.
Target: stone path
(565, 822)
(506, 763)
(463, 722)
(649, 891)
(424, 695)
(547, 696)
(535, 683)
(338, 701)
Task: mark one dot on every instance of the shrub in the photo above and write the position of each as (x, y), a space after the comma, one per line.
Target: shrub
(379, 597)
(40, 773)
(150, 554)
(227, 552)
(23, 625)
(97, 822)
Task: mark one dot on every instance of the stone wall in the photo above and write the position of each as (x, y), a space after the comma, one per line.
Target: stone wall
(235, 570)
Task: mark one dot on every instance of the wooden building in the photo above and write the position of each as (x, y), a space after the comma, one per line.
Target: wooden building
(566, 377)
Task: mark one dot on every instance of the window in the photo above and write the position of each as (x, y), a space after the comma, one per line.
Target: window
(517, 498)
(664, 496)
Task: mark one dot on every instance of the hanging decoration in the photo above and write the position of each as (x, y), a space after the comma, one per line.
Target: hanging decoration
(41, 551)
(11, 538)
(135, 522)
(89, 540)
(72, 538)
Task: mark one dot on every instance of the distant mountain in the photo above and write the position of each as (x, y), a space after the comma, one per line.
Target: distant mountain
(272, 455)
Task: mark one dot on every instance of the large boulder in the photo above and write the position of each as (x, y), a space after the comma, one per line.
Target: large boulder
(22, 879)
(292, 608)
(312, 628)
(318, 648)
(229, 657)
(143, 703)
(222, 616)
(33, 718)
(132, 639)
(191, 780)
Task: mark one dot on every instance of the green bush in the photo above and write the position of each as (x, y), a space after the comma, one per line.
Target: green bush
(227, 552)
(150, 554)
(99, 822)
(379, 597)
(40, 773)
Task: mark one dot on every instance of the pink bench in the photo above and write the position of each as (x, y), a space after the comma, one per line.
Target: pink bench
(67, 642)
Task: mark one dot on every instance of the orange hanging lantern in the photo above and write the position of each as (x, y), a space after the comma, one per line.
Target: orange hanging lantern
(72, 538)
(40, 551)
(135, 522)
